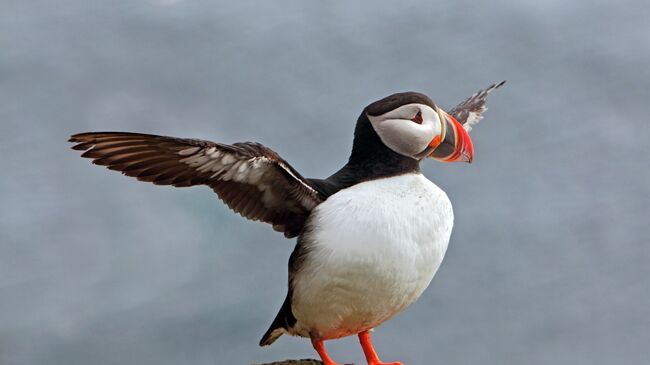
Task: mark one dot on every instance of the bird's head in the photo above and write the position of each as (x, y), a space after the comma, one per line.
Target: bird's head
(412, 125)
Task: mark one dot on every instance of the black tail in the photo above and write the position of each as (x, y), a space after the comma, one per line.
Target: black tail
(280, 324)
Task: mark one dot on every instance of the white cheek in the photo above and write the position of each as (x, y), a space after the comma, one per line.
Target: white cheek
(403, 136)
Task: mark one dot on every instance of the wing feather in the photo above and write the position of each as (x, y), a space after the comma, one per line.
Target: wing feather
(250, 178)
(470, 112)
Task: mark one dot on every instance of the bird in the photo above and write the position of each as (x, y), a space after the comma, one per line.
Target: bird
(370, 237)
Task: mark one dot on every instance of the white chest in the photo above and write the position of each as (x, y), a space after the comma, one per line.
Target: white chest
(373, 250)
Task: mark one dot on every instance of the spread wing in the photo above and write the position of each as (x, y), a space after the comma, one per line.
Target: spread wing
(470, 112)
(250, 178)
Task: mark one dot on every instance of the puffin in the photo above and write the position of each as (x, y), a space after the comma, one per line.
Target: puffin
(370, 237)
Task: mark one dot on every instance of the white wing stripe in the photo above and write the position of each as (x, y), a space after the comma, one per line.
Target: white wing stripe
(226, 167)
(189, 151)
(473, 118)
(297, 179)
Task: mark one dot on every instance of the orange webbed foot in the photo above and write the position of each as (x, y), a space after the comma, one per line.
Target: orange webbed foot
(320, 348)
(369, 351)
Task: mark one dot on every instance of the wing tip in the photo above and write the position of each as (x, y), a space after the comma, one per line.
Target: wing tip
(81, 143)
(495, 86)
(83, 140)
(76, 138)
(84, 136)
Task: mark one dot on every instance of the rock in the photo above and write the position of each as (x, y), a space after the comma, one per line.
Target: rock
(295, 362)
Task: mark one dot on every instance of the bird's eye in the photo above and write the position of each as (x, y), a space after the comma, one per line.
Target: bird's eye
(417, 118)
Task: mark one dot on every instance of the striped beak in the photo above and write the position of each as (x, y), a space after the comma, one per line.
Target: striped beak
(453, 144)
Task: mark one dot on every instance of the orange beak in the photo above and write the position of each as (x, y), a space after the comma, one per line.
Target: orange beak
(454, 143)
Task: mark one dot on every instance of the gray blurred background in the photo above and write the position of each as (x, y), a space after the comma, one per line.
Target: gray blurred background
(548, 262)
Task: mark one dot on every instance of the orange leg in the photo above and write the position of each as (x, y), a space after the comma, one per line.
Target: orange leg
(320, 348)
(369, 351)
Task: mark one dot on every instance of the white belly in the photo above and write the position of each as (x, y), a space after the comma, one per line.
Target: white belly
(372, 250)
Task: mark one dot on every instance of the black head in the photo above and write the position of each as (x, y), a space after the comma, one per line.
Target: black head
(394, 101)
(409, 126)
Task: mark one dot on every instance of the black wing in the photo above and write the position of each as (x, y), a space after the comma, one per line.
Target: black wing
(250, 178)
(470, 112)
